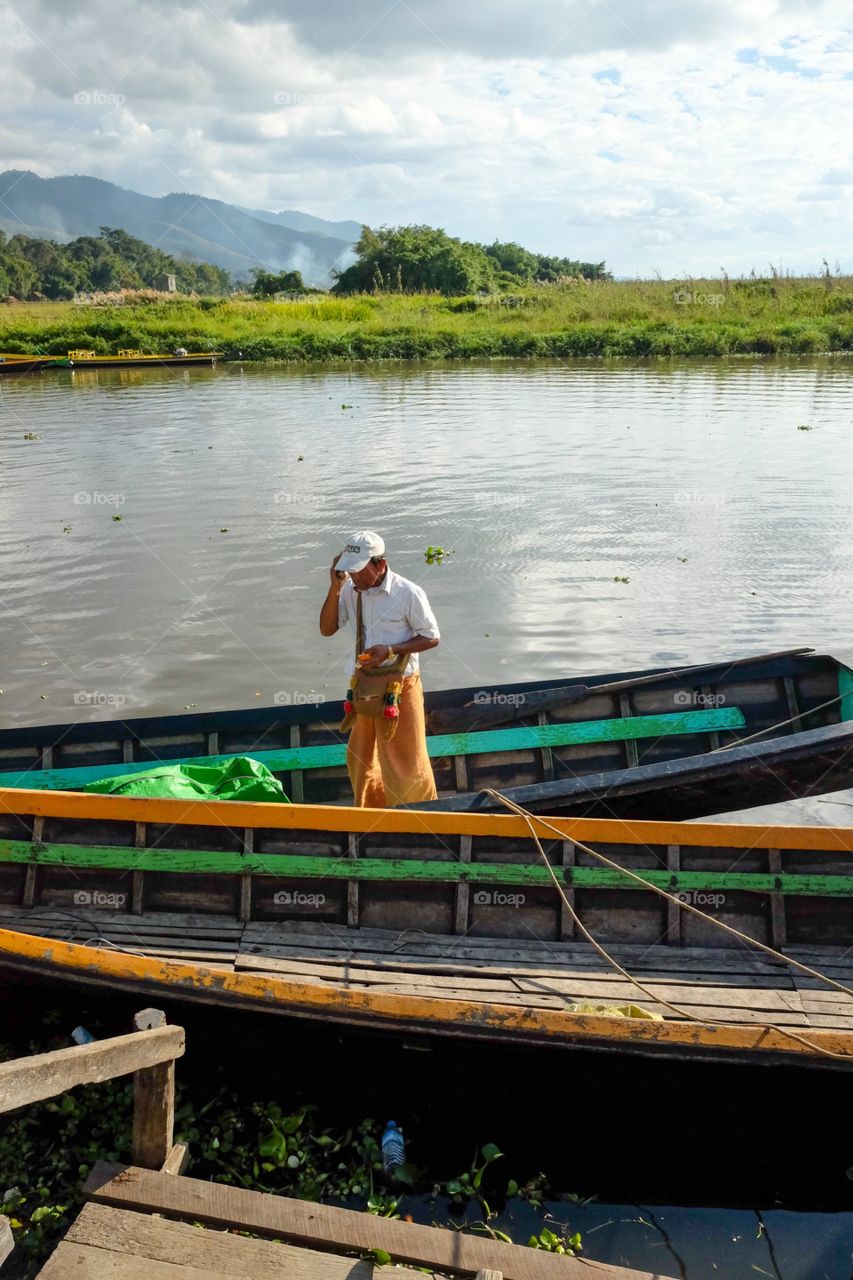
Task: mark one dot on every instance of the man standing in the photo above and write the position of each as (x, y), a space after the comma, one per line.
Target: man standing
(397, 624)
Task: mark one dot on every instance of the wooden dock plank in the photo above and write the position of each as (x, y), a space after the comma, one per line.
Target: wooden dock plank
(7, 1240)
(330, 1228)
(105, 1231)
(27, 1080)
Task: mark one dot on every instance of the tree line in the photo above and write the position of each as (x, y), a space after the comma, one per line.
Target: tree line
(104, 263)
(414, 259)
(419, 259)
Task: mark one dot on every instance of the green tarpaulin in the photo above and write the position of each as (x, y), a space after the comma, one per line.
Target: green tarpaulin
(240, 778)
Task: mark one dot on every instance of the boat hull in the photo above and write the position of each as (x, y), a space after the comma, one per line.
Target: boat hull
(132, 362)
(26, 364)
(745, 777)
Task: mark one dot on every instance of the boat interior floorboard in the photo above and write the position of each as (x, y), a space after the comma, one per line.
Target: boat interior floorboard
(736, 985)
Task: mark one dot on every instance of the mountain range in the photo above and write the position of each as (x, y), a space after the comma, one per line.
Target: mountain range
(181, 224)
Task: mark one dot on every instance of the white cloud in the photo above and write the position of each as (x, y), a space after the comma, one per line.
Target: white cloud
(716, 135)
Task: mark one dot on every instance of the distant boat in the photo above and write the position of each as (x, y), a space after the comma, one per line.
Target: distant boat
(81, 359)
(15, 363)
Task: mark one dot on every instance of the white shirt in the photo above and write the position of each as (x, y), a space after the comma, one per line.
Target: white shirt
(391, 612)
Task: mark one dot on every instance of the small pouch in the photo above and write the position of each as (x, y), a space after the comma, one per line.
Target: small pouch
(374, 693)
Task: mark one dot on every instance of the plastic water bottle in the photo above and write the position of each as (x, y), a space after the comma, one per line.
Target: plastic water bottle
(393, 1147)
(81, 1036)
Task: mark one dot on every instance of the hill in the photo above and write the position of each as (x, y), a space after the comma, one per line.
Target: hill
(182, 224)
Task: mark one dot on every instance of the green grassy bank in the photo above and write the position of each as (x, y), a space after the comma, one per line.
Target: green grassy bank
(618, 318)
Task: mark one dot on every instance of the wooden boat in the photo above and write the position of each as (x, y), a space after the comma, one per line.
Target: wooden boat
(129, 358)
(640, 744)
(767, 772)
(13, 363)
(444, 923)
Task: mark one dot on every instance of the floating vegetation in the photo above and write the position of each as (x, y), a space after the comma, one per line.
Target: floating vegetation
(346, 406)
(804, 426)
(225, 530)
(435, 555)
(116, 518)
(31, 435)
(621, 579)
(66, 528)
(552, 1243)
(682, 559)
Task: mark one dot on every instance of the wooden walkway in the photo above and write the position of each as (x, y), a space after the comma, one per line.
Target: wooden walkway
(121, 1235)
(146, 1221)
(738, 985)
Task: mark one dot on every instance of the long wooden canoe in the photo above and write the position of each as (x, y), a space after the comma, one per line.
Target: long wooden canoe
(24, 363)
(133, 359)
(539, 736)
(780, 769)
(444, 923)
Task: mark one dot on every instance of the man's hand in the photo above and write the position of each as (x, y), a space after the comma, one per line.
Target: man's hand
(373, 657)
(337, 578)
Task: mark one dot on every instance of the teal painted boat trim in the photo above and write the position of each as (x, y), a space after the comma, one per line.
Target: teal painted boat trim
(845, 688)
(445, 744)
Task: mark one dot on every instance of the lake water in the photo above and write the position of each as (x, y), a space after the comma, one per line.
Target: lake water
(545, 483)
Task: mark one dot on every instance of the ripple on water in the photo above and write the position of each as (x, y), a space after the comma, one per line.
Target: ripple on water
(543, 482)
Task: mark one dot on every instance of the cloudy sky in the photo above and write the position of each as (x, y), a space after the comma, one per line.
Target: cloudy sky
(677, 136)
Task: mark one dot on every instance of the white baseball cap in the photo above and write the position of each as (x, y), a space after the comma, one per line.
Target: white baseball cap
(360, 549)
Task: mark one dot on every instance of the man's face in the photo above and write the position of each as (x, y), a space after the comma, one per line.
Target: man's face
(368, 577)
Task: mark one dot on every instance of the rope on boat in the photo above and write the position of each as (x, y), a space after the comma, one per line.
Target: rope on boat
(530, 819)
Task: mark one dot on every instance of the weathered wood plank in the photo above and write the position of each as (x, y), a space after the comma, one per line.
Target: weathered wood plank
(27, 1080)
(229, 814)
(463, 891)
(417, 870)
(404, 945)
(376, 968)
(328, 1227)
(177, 1159)
(7, 1240)
(153, 1102)
(185, 922)
(86, 1262)
(152, 1239)
(778, 925)
(611, 988)
(673, 912)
